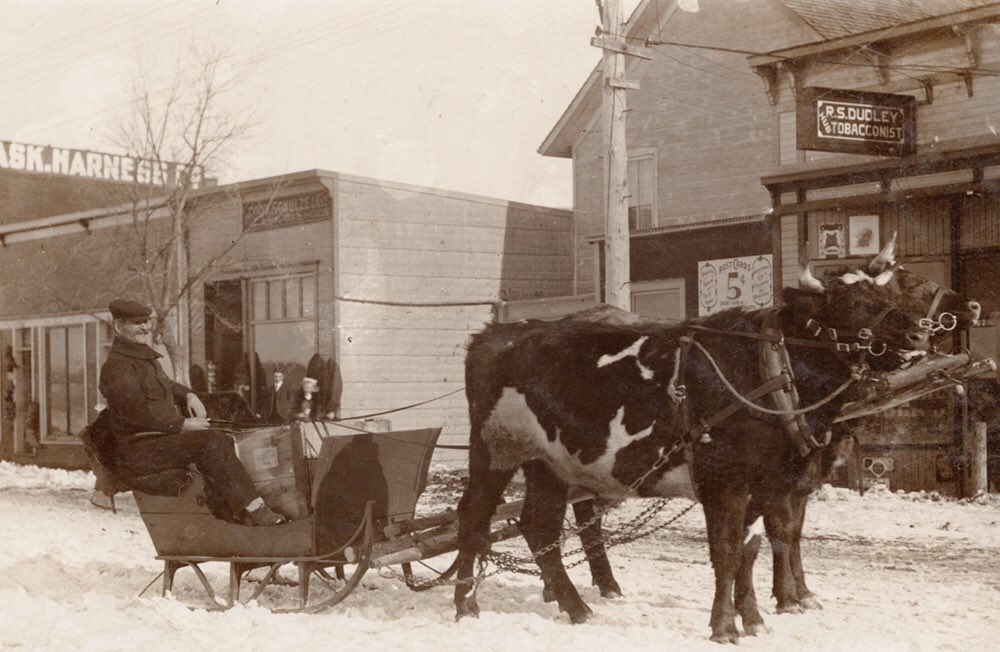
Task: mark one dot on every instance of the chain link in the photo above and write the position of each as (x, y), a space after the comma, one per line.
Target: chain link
(628, 532)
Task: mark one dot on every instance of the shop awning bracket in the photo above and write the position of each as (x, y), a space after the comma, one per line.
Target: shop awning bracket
(928, 84)
(769, 73)
(970, 33)
(967, 78)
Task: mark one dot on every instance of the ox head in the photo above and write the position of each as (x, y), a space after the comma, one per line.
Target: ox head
(861, 315)
(944, 309)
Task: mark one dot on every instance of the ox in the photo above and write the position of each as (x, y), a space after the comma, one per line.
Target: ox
(588, 404)
(944, 311)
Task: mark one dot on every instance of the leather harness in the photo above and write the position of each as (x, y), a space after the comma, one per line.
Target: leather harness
(778, 378)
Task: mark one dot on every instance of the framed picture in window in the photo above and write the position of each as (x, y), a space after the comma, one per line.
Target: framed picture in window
(831, 241)
(863, 232)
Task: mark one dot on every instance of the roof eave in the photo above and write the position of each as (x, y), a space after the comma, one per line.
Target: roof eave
(888, 34)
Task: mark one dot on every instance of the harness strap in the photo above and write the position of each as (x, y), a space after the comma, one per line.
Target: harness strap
(775, 363)
(705, 425)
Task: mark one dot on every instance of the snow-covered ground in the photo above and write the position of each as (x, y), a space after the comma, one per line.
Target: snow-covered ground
(894, 572)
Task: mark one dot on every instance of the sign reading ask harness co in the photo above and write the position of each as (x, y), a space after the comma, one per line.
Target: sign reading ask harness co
(856, 122)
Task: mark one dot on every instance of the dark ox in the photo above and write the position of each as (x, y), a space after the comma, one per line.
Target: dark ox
(587, 404)
(783, 515)
(944, 311)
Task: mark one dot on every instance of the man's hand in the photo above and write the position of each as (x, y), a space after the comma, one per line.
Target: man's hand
(195, 423)
(196, 407)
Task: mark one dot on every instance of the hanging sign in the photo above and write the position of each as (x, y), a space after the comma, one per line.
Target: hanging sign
(744, 282)
(856, 122)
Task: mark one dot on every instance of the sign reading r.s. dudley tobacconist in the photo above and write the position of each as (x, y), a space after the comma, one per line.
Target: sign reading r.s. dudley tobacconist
(856, 122)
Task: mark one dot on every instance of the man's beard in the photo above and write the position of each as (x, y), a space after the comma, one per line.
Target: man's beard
(138, 338)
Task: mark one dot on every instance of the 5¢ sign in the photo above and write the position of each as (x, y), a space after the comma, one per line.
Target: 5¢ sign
(743, 282)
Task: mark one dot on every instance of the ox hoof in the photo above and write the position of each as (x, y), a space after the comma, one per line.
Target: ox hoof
(753, 629)
(789, 608)
(730, 638)
(578, 614)
(809, 602)
(610, 589)
(469, 608)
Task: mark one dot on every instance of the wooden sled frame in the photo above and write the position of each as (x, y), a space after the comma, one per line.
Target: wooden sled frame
(357, 552)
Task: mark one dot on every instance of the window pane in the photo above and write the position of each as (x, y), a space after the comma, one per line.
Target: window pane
(259, 300)
(293, 298)
(308, 296)
(57, 392)
(66, 402)
(645, 190)
(76, 379)
(633, 182)
(276, 300)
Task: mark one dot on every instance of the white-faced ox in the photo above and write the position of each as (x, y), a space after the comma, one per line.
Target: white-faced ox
(589, 404)
(941, 310)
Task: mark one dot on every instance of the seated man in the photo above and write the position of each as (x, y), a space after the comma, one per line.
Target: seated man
(141, 398)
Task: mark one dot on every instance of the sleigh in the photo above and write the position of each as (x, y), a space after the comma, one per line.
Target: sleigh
(351, 496)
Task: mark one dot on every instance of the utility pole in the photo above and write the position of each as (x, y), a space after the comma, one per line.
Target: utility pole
(617, 291)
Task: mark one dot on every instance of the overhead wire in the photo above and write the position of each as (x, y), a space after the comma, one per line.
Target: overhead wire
(91, 33)
(27, 77)
(282, 47)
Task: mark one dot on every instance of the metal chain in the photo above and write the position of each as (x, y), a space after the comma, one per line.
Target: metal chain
(627, 533)
(507, 562)
(663, 459)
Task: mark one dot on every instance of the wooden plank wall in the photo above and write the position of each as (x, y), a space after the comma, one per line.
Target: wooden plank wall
(405, 257)
(980, 227)
(923, 226)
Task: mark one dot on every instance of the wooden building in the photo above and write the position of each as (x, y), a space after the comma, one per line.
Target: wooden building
(388, 280)
(728, 186)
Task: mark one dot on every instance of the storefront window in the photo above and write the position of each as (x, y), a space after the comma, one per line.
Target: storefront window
(284, 326)
(50, 380)
(285, 298)
(66, 383)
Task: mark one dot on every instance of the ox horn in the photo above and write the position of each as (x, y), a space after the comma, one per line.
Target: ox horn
(884, 277)
(885, 258)
(809, 282)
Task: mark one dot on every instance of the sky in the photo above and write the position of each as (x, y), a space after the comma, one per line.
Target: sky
(451, 94)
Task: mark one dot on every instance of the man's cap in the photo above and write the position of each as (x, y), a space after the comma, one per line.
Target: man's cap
(129, 310)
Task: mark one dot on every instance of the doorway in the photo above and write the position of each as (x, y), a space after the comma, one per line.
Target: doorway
(224, 338)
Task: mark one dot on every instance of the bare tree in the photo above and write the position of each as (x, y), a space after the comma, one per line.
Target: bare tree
(178, 139)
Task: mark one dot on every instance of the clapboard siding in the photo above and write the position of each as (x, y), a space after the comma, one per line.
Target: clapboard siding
(442, 289)
(404, 258)
(451, 264)
(408, 236)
